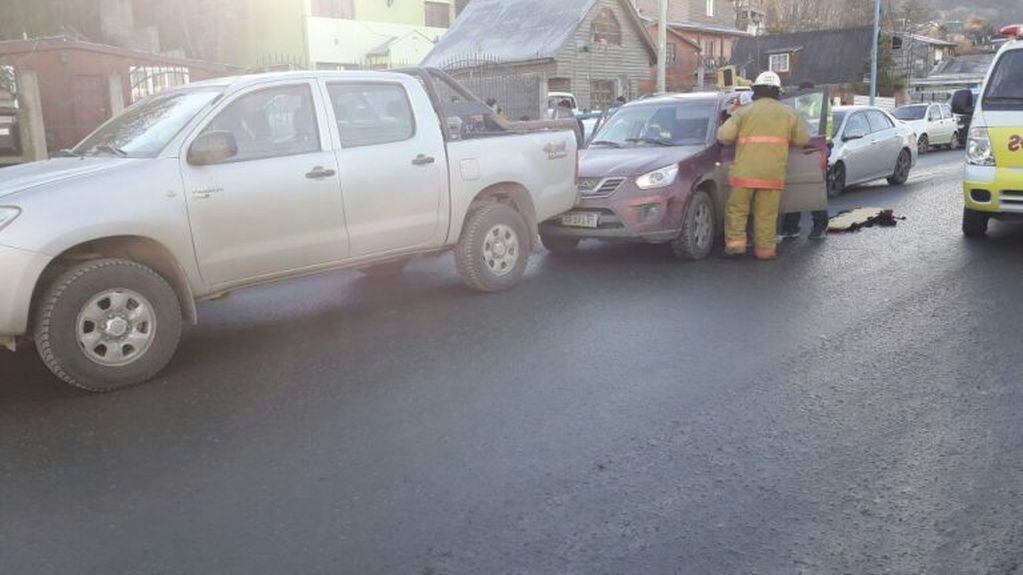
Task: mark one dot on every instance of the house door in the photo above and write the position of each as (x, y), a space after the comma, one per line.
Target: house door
(90, 106)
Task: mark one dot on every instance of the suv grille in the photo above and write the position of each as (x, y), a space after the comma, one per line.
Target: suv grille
(599, 187)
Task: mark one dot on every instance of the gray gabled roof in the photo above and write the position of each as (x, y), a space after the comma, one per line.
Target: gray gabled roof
(519, 30)
(825, 56)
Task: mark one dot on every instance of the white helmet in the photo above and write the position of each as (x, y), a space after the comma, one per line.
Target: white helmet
(768, 79)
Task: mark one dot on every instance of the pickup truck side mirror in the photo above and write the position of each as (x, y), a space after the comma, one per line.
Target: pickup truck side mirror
(212, 148)
(962, 102)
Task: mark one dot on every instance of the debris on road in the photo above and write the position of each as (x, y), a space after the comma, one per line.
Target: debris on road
(854, 220)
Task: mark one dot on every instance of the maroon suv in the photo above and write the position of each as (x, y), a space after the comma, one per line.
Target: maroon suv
(654, 172)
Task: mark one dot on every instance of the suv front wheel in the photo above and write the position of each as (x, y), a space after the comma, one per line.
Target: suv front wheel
(107, 324)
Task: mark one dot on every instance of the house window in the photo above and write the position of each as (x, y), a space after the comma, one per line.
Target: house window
(149, 80)
(438, 14)
(333, 9)
(710, 8)
(602, 94)
(779, 63)
(671, 55)
(606, 28)
(896, 43)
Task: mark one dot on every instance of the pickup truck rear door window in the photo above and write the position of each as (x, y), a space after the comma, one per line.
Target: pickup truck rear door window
(271, 123)
(371, 114)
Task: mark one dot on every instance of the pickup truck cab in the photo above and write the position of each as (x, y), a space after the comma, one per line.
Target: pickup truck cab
(220, 185)
(655, 173)
(993, 178)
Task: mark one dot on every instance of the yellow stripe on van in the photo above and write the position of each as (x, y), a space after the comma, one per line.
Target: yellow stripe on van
(1007, 144)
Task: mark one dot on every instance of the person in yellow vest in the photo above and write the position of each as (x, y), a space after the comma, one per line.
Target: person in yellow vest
(762, 132)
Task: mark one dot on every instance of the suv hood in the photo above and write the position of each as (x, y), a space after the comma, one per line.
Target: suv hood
(602, 162)
(32, 175)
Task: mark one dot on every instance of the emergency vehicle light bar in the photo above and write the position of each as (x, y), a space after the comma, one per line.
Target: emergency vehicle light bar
(1014, 31)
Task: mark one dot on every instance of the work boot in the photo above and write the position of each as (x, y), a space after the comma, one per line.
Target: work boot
(819, 233)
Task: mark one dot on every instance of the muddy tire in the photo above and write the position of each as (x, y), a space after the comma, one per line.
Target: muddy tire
(699, 229)
(492, 254)
(107, 324)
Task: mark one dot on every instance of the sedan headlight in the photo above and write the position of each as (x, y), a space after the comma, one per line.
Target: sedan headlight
(7, 215)
(978, 147)
(658, 178)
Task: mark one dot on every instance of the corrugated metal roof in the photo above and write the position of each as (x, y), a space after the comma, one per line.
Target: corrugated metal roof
(825, 56)
(516, 30)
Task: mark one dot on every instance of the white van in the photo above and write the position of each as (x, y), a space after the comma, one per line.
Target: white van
(993, 180)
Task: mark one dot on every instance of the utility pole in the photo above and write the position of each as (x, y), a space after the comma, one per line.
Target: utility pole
(662, 46)
(873, 51)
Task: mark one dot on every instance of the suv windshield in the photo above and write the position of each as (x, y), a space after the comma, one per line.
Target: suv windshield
(672, 124)
(1005, 88)
(144, 129)
(910, 113)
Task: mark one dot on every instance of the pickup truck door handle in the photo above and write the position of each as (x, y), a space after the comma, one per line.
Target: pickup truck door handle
(423, 160)
(319, 173)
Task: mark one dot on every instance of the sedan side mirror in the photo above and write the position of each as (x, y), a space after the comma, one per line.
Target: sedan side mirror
(212, 148)
(962, 102)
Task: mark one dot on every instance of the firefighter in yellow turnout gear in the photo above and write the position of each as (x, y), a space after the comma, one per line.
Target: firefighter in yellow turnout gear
(762, 132)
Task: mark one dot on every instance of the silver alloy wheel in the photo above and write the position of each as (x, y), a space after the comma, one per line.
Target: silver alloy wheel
(116, 327)
(702, 218)
(501, 249)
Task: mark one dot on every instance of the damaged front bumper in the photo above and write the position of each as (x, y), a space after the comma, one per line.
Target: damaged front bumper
(627, 215)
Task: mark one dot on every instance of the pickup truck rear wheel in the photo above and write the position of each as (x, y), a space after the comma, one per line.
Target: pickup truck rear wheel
(494, 249)
(696, 239)
(107, 324)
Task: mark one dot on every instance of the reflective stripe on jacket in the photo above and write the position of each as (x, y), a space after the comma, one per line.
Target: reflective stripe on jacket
(763, 132)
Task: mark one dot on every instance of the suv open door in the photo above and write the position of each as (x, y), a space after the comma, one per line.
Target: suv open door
(806, 185)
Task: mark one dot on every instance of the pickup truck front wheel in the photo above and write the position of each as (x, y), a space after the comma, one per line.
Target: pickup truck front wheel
(107, 324)
(494, 249)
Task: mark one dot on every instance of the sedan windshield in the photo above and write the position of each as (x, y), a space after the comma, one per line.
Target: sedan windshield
(144, 129)
(673, 124)
(910, 113)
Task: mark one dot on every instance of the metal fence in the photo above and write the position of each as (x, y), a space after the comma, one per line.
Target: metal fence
(518, 92)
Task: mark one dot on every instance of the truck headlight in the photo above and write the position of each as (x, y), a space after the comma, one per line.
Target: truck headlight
(658, 178)
(978, 147)
(7, 215)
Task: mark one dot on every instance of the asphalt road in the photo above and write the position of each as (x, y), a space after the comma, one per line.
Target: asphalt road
(854, 407)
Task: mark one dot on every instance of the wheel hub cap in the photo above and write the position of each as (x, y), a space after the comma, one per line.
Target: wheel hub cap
(116, 327)
(501, 249)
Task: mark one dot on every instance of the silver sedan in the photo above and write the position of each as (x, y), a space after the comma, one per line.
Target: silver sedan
(869, 144)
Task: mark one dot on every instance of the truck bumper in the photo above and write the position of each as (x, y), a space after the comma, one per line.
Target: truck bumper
(19, 272)
(993, 190)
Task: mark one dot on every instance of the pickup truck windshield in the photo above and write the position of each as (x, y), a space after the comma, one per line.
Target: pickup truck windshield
(143, 130)
(910, 113)
(674, 124)
(1005, 88)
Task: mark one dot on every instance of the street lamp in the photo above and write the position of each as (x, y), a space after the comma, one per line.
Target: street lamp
(873, 51)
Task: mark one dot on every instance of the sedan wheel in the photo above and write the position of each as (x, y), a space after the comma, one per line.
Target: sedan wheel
(923, 145)
(902, 167)
(836, 180)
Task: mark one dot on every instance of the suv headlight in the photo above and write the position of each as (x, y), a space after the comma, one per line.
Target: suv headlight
(658, 178)
(978, 147)
(7, 215)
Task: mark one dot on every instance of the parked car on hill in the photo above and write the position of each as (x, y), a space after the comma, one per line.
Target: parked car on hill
(869, 144)
(655, 173)
(221, 185)
(934, 125)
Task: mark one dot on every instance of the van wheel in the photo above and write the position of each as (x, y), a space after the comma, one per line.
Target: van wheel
(696, 240)
(107, 324)
(559, 246)
(974, 223)
(902, 167)
(388, 269)
(492, 254)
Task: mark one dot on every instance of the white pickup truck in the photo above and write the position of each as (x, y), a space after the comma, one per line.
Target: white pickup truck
(221, 185)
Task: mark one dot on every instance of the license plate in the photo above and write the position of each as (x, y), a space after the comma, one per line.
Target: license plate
(581, 220)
